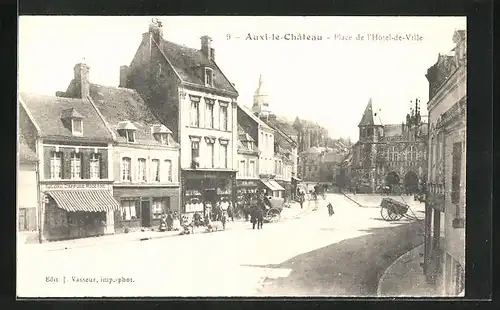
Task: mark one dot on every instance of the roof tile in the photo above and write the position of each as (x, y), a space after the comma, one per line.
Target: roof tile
(118, 105)
(48, 110)
(188, 62)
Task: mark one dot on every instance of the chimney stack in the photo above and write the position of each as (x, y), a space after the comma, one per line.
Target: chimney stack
(206, 47)
(123, 76)
(82, 82)
(156, 30)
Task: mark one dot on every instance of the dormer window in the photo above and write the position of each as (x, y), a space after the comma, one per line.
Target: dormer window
(77, 126)
(161, 134)
(127, 129)
(209, 77)
(73, 120)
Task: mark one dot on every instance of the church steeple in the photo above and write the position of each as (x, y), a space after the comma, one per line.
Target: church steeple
(367, 119)
(261, 100)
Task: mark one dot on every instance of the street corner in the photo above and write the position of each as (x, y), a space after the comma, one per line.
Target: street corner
(404, 277)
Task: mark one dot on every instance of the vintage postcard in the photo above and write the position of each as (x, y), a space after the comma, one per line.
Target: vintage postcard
(183, 156)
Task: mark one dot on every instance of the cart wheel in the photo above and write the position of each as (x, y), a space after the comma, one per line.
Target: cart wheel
(393, 216)
(273, 216)
(384, 212)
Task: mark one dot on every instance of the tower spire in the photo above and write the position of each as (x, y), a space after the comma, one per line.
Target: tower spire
(367, 118)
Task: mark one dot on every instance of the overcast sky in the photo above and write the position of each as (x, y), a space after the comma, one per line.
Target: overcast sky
(328, 81)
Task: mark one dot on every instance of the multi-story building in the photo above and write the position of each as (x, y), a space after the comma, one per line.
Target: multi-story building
(73, 147)
(285, 148)
(190, 94)
(248, 160)
(444, 259)
(27, 196)
(309, 134)
(285, 155)
(392, 155)
(330, 165)
(263, 135)
(145, 156)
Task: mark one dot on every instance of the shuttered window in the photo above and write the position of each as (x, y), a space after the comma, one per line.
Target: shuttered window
(55, 165)
(95, 166)
(76, 166)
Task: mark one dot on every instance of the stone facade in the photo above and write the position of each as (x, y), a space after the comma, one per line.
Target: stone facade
(389, 155)
(444, 259)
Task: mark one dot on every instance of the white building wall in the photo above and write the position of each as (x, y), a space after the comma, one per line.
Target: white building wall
(186, 130)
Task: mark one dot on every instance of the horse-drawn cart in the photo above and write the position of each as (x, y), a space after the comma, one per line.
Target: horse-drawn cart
(392, 210)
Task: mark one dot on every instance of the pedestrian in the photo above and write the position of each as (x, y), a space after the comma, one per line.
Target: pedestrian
(301, 199)
(230, 211)
(170, 221)
(330, 209)
(223, 219)
(253, 216)
(260, 217)
(176, 221)
(260, 212)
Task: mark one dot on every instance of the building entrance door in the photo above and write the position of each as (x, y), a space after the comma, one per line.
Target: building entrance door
(145, 213)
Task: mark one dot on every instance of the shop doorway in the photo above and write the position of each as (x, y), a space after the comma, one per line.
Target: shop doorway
(210, 195)
(145, 213)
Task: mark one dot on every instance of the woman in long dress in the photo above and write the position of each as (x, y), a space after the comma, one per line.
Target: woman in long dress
(176, 222)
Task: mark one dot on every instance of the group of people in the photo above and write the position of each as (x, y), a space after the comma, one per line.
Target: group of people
(170, 221)
(257, 213)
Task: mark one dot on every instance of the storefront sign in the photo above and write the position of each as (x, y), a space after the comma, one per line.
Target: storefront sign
(194, 207)
(76, 186)
(247, 183)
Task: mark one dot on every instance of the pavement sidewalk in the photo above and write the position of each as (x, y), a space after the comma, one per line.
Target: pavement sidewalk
(288, 213)
(405, 277)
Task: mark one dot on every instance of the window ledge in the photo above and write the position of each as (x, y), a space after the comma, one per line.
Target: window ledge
(207, 128)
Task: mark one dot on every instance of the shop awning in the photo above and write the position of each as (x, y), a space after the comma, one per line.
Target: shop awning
(273, 185)
(276, 185)
(84, 200)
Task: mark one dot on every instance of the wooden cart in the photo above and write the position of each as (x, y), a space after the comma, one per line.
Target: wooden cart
(392, 210)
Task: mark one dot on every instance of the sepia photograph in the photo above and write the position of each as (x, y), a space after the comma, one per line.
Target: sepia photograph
(238, 156)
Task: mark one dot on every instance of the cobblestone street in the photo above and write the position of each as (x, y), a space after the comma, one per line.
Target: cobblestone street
(314, 254)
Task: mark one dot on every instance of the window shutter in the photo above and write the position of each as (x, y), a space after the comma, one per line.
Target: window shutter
(86, 155)
(47, 154)
(103, 163)
(66, 163)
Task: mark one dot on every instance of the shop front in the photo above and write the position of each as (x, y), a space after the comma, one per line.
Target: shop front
(142, 207)
(77, 210)
(201, 190)
(272, 188)
(247, 193)
(294, 187)
(288, 189)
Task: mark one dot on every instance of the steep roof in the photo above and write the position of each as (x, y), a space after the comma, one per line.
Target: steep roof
(26, 154)
(246, 144)
(118, 105)
(285, 128)
(367, 118)
(254, 118)
(392, 130)
(48, 110)
(186, 61)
